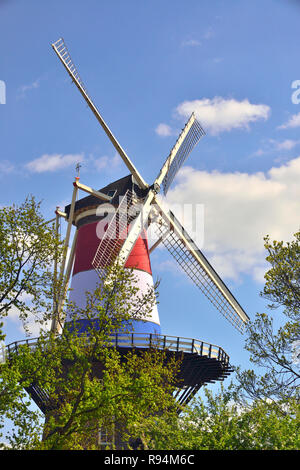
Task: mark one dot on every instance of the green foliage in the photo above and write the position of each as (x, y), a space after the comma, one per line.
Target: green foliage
(129, 394)
(28, 248)
(273, 352)
(218, 423)
(282, 285)
(115, 301)
(90, 385)
(261, 411)
(15, 375)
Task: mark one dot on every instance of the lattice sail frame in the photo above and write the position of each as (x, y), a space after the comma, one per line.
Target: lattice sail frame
(117, 231)
(189, 142)
(178, 249)
(62, 52)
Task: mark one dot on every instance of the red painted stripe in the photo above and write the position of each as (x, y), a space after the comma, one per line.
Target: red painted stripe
(139, 256)
(87, 244)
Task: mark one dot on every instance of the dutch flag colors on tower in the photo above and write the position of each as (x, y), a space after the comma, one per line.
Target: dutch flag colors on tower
(84, 276)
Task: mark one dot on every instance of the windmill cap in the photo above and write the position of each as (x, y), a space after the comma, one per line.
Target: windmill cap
(119, 187)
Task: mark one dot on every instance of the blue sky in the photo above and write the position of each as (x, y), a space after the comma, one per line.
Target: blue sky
(147, 65)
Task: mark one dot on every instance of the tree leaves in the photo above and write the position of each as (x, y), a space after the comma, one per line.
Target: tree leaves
(28, 248)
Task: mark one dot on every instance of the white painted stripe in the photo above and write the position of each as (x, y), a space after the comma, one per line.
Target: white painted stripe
(86, 281)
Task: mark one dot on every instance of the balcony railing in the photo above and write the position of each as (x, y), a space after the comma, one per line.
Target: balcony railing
(143, 341)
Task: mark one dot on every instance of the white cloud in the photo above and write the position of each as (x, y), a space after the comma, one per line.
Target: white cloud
(191, 43)
(105, 162)
(53, 162)
(6, 167)
(163, 130)
(217, 60)
(23, 89)
(209, 33)
(260, 152)
(56, 162)
(293, 122)
(272, 145)
(287, 144)
(219, 114)
(239, 210)
(32, 326)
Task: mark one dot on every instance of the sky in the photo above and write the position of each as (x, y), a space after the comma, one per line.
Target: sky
(147, 65)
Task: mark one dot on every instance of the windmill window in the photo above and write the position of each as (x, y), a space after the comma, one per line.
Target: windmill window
(111, 193)
(105, 439)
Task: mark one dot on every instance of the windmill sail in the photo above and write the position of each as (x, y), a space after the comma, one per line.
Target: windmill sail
(99, 245)
(118, 248)
(115, 235)
(188, 139)
(193, 262)
(123, 230)
(62, 52)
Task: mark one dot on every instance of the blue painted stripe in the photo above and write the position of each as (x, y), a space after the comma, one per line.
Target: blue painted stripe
(135, 326)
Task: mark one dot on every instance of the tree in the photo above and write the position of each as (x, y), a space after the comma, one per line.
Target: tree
(89, 384)
(217, 422)
(282, 285)
(261, 410)
(276, 351)
(28, 248)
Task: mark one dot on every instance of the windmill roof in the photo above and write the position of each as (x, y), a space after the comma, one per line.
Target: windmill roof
(120, 187)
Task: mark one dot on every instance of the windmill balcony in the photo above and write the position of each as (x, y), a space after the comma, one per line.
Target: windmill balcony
(200, 362)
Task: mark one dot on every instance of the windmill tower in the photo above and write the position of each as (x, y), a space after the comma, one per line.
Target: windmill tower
(135, 204)
(97, 246)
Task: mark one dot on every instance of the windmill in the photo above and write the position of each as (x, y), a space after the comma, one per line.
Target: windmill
(169, 230)
(135, 205)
